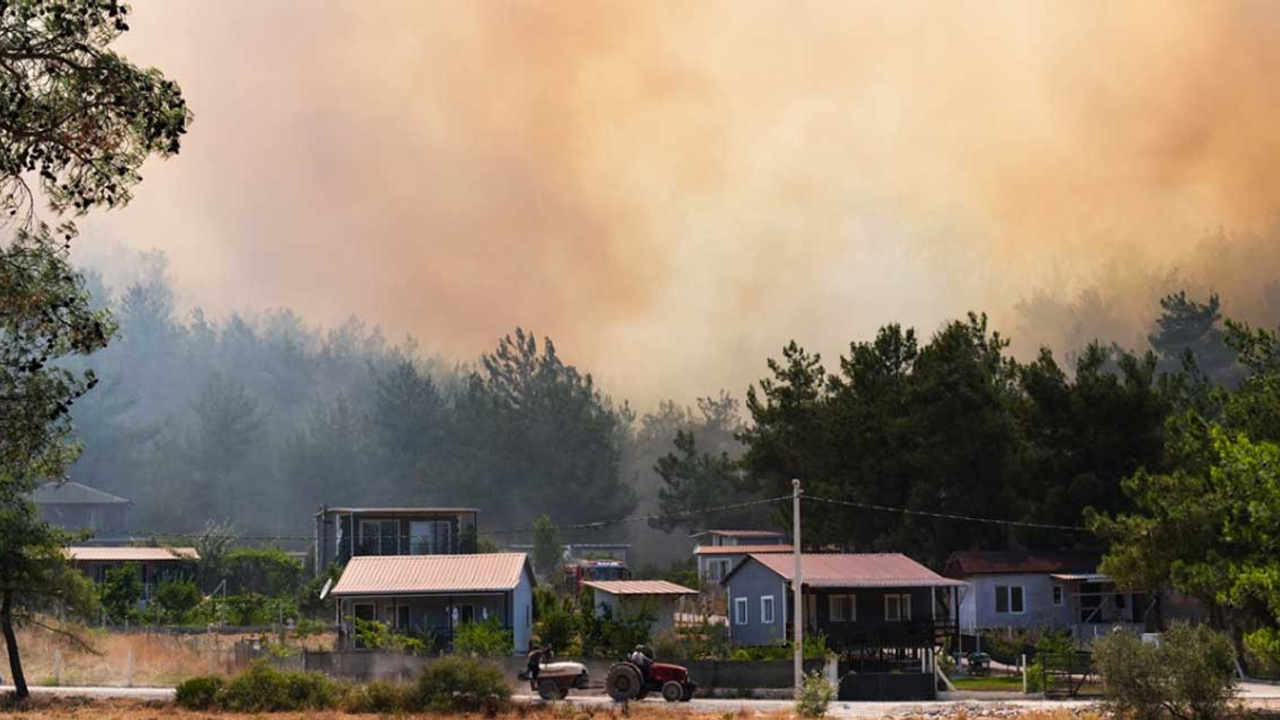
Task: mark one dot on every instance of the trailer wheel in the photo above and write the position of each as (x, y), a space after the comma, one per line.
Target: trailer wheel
(549, 690)
(672, 691)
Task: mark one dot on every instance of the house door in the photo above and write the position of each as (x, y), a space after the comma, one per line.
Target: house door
(402, 617)
(466, 614)
(811, 612)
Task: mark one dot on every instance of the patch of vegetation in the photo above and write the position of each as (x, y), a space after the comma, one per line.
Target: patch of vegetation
(1190, 676)
(993, 683)
(456, 684)
(486, 639)
(198, 693)
(815, 696)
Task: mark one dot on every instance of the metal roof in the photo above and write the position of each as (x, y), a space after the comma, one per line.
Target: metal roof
(639, 587)
(397, 510)
(73, 493)
(741, 533)
(1082, 577)
(82, 553)
(431, 574)
(740, 549)
(837, 570)
(964, 564)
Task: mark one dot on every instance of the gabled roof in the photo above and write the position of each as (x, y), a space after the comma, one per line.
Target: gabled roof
(432, 574)
(740, 549)
(73, 493)
(397, 510)
(741, 533)
(639, 587)
(966, 564)
(846, 570)
(96, 553)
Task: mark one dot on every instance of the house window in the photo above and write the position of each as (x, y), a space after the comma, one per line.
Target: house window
(379, 537)
(430, 537)
(1057, 596)
(1009, 599)
(897, 607)
(740, 611)
(766, 609)
(842, 608)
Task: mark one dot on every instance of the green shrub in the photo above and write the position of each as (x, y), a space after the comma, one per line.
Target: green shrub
(198, 693)
(1191, 675)
(457, 684)
(556, 624)
(376, 635)
(262, 688)
(175, 599)
(121, 591)
(486, 639)
(814, 697)
(378, 697)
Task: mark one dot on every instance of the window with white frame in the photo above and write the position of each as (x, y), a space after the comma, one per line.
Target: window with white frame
(842, 608)
(740, 611)
(897, 607)
(766, 610)
(1057, 596)
(1010, 599)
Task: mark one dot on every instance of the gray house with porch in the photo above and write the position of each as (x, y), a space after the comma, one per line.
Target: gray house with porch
(1063, 590)
(76, 507)
(432, 596)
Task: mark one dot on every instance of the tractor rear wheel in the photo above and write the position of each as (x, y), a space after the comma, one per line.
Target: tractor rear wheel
(623, 683)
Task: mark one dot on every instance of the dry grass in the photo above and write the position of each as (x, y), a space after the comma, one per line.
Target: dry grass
(158, 660)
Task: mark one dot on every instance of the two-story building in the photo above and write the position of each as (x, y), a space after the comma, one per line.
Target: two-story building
(718, 551)
(75, 507)
(346, 532)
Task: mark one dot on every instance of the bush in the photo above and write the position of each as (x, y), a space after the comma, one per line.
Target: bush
(456, 684)
(815, 695)
(378, 697)
(556, 624)
(1191, 675)
(486, 639)
(198, 693)
(262, 688)
(174, 599)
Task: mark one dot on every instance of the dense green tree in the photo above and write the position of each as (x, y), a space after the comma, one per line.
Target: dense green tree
(693, 481)
(548, 549)
(1207, 529)
(1087, 432)
(1189, 332)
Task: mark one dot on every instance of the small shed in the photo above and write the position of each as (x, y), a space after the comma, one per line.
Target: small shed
(616, 598)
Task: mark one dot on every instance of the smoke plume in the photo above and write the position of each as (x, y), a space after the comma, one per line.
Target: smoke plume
(672, 190)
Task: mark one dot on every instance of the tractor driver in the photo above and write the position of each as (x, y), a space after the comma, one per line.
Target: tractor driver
(640, 658)
(537, 657)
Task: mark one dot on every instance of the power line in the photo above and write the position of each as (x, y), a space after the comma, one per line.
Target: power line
(947, 516)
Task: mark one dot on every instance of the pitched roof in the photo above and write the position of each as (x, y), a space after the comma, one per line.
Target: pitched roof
(964, 564)
(87, 553)
(840, 570)
(741, 533)
(430, 574)
(740, 549)
(639, 587)
(73, 493)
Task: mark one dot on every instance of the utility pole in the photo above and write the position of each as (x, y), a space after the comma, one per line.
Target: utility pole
(797, 580)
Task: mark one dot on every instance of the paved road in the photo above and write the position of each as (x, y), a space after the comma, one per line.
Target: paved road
(136, 693)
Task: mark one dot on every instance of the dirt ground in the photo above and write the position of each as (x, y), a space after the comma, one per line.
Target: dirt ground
(132, 659)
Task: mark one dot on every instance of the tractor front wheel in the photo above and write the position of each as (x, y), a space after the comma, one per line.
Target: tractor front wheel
(672, 691)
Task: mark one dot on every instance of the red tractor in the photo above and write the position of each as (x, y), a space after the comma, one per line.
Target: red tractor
(626, 681)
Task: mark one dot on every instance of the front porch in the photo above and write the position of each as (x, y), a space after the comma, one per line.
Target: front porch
(434, 619)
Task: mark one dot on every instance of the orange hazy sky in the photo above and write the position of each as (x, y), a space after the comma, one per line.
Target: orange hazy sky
(672, 190)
